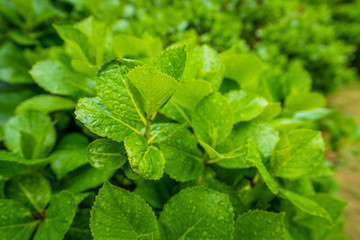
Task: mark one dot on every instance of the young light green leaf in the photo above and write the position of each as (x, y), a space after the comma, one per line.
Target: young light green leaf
(101, 121)
(172, 62)
(197, 213)
(145, 160)
(306, 205)
(190, 93)
(297, 153)
(76, 40)
(304, 102)
(107, 154)
(112, 86)
(263, 135)
(69, 154)
(119, 214)
(297, 80)
(254, 156)
(183, 158)
(30, 134)
(205, 63)
(58, 217)
(245, 106)
(56, 78)
(212, 119)
(243, 68)
(33, 190)
(151, 88)
(259, 225)
(16, 222)
(46, 104)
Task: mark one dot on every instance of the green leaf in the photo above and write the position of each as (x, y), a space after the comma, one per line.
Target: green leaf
(13, 66)
(245, 106)
(112, 86)
(190, 93)
(85, 178)
(205, 63)
(304, 102)
(145, 160)
(1, 133)
(58, 217)
(297, 80)
(243, 68)
(172, 62)
(12, 164)
(297, 153)
(119, 214)
(306, 205)
(16, 222)
(151, 88)
(46, 104)
(77, 41)
(33, 190)
(254, 156)
(197, 213)
(56, 78)
(259, 225)
(79, 229)
(183, 158)
(101, 121)
(30, 134)
(156, 193)
(104, 153)
(263, 135)
(212, 119)
(69, 154)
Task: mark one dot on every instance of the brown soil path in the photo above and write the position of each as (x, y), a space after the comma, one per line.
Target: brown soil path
(347, 100)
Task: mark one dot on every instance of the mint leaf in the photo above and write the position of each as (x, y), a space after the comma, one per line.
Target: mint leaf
(56, 78)
(258, 225)
(145, 160)
(33, 190)
(104, 153)
(297, 153)
(183, 158)
(91, 111)
(151, 88)
(30, 134)
(172, 62)
(197, 213)
(245, 106)
(119, 214)
(69, 154)
(306, 205)
(212, 119)
(79, 229)
(112, 86)
(46, 104)
(58, 217)
(16, 222)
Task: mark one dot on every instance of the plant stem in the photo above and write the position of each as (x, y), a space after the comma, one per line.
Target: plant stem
(147, 128)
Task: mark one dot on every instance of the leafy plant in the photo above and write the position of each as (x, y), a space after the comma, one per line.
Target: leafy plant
(111, 136)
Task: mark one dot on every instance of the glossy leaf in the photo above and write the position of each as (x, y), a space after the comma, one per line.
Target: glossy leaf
(145, 160)
(213, 119)
(151, 88)
(119, 214)
(46, 104)
(104, 153)
(207, 214)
